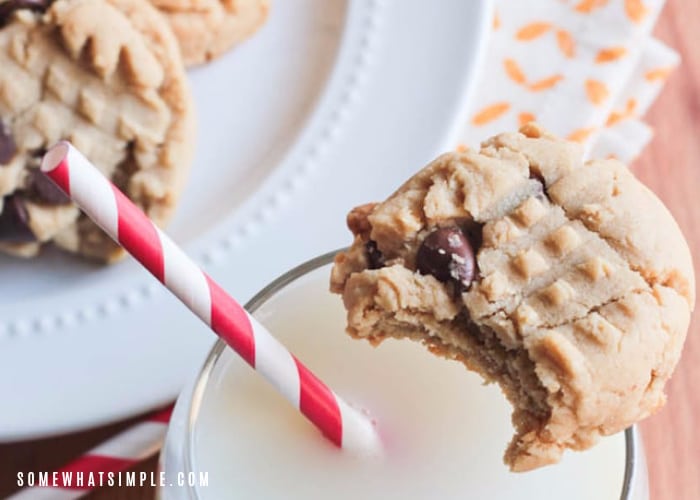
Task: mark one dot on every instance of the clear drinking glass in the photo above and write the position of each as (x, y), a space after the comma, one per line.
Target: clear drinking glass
(444, 432)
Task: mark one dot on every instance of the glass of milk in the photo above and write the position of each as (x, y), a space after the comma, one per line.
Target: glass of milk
(443, 431)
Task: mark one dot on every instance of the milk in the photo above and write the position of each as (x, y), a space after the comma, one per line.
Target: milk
(443, 431)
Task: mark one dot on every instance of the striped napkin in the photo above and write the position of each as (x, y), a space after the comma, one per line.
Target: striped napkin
(587, 70)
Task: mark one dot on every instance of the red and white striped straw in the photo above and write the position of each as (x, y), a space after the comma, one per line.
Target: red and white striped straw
(127, 448)
(128, 225)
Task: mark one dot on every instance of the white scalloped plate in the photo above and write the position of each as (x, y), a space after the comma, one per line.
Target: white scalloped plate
(331, 104)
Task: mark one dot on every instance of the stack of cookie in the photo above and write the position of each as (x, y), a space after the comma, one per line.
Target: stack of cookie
(109, 76)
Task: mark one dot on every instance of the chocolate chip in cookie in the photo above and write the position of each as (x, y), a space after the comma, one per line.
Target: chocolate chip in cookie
(447, 255)
(14, 221)
(374, 255)
(44, 190)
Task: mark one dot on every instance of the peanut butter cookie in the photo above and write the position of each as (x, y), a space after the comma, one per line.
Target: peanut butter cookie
(206, 29)
(106, 75)
(567, 283)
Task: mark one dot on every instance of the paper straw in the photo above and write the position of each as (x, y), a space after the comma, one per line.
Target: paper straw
(126, 224)
(120, 452)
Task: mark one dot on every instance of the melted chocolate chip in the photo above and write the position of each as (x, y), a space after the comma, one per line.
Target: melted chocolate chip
(474, 233)
(374, 255)
(14, 221)
(10, 6)
(447, 255)
(44, 190)
(8, 148)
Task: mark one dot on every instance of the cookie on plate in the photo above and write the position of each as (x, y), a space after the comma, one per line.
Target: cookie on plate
(107, 76)
(567, 283)
(206, 29)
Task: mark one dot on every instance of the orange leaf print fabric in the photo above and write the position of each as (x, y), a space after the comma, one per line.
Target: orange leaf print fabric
(532, 31)
(566, 43)
(635, 10)
(596, 91)
(581, 134)
(525, 118)
(618, 116)
(546, 83)
(610, 54)
(575, 67)
(490, 113)
(657, 74)
(587, 6)
(514, 71)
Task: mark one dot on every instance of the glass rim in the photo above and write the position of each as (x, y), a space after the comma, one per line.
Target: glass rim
(631, 436)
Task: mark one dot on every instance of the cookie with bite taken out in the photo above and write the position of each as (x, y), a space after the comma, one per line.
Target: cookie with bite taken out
(566, 282)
